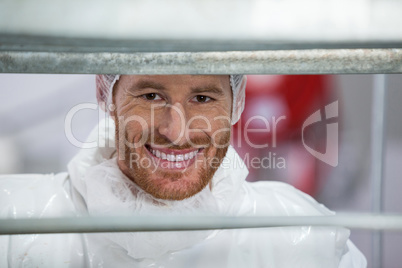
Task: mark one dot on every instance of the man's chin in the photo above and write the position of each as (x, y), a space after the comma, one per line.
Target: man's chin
(174, 188)
(163, 179)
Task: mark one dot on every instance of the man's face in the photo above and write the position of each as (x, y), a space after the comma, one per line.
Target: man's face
(172, 132)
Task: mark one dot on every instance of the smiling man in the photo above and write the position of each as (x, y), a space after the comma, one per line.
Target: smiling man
(170, 129)
(165, 150)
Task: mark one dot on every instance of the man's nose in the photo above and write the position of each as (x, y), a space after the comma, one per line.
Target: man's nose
(173, 124)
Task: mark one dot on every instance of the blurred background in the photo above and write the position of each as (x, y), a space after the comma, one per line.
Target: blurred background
(33, 139)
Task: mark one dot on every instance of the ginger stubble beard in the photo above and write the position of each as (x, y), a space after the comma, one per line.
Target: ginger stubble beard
(141, 175)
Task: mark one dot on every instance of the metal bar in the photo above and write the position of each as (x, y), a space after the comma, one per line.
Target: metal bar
(378, 127)
(314, 61)
(35, 43)
(158, 223)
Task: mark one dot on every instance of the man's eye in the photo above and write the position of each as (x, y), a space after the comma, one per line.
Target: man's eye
(201, 98)
(151, 96)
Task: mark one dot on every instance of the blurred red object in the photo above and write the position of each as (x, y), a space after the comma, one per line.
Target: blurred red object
(270, 127)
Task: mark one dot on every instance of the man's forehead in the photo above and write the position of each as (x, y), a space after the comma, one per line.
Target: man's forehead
(163, 81)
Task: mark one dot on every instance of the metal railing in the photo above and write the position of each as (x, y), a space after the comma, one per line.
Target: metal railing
(186, 223)
(311, 61)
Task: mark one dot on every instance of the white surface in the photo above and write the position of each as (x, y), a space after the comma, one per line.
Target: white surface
(331, 20)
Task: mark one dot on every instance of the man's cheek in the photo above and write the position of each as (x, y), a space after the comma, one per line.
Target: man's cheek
(133, 130)
(220, 136)
(137, 133)
(221, 140)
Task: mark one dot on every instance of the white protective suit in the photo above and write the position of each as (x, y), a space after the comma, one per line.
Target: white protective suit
(95, 185)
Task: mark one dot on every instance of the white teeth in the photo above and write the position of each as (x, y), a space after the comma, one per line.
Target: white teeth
(192, 154)
(172, 157)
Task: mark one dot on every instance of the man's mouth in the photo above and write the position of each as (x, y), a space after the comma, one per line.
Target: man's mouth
(174, 159)
(173, 156)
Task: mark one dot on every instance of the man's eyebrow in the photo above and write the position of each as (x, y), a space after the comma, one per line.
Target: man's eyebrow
(148, 84)
(208, 89)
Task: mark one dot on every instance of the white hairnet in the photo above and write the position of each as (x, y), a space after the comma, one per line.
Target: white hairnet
(105, 83)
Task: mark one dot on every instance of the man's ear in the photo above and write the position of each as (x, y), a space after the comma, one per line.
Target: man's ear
(112, 110)
(112, 107)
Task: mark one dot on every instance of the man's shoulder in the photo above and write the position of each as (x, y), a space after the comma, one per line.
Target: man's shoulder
(281, 199)
(35, 195)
